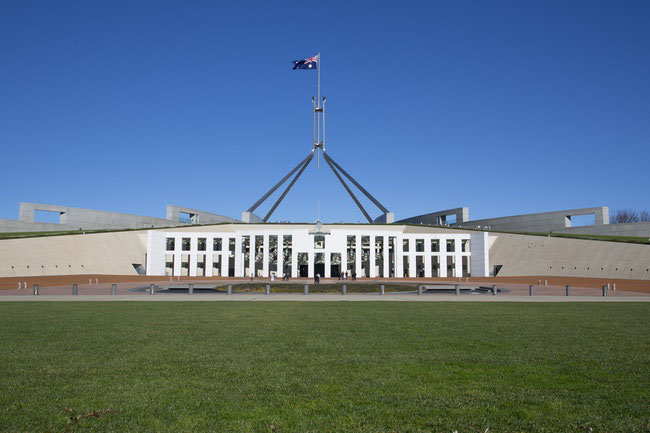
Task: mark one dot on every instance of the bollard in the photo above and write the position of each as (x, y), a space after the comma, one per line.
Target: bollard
(419, 289)
(268, 289)
(457, 289)
(306, 289)
(151, 289)
(494, 290)
(381, 289)
(113, 289)
(613, 286)
(230, 289)
(190, 289)
(75, 289)
(605, 290)
(568, 290)
(531, 290)
(344, 289)
(546, 282)
(35, 289)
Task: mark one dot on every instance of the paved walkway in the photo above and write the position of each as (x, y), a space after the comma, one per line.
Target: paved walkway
(373, 297)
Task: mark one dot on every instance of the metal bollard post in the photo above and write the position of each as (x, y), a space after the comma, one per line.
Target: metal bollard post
(190, 289)
(344, 289)
(605, 290)
(494, 290)
(113, 289)
(75, 289)
(420, 289)
(381, 289)
(531, 290)
(268, 289)
(230, 289)
(151, 288)
(306, 289)
(457, 289)
(568, 290)
(35, 289)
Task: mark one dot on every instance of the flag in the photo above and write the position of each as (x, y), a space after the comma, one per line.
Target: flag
(310, 63)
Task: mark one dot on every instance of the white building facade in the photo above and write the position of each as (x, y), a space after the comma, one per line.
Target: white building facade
(304, 250)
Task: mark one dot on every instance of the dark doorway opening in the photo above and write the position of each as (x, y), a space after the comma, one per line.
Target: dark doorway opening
(304, 271)
(319, 269)
(335, 271)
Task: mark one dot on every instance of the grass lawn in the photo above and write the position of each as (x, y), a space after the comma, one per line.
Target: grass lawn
(299, 367)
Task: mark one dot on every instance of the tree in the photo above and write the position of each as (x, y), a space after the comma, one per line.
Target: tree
(623, 216)
(644, 216)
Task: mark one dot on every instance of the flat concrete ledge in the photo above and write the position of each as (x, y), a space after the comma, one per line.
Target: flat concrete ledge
(284, 297)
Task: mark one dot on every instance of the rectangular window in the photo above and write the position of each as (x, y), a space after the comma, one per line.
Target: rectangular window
(319, 242)
(171, 244)
(451, 245)
(435, 245)
(185, 244)
(465, 245)
(419, 245)
(216, 244)
(405, 245)
(200, 245)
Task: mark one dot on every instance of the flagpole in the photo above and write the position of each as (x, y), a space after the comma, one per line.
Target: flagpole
(319, 106)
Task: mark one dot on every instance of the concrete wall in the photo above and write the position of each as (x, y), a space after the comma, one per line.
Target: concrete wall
(641, 229)
(439, 217)
(540, 255)
(72, 218)
(196, 216)
(98, 253)
(538, 222)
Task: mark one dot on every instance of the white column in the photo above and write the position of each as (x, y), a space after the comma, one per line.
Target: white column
(344, 257)
(209, 260)
(311, 259)
(224, 261)
(399, 262)
(357, 262)
(443, 257)
(265, 257)
(373, 272)
(386, 258)
(280, 260)
(328, 263)
(177, 264)
(459, 262)
(294, 260)
(251, 256)
(239, 262)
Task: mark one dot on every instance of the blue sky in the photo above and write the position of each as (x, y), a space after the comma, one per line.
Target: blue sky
(506, 107)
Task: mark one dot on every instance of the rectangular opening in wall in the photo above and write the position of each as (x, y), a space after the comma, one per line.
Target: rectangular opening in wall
(47, 216)
(185, 265)
(273, 254)
(200, 265)
(451, 266)
(450, 219)
(216, 265)
(184, 217)
(419, 266)
(435, 266)
(582, 220)
(169, 265)
(465, 266)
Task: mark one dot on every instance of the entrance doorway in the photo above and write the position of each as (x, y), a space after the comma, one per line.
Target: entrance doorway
(319, 269)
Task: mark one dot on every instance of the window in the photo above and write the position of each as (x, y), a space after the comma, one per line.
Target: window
(200, 245)
(419, 245)
(465, 245)
(171, 244)
(216, 244)
(319, 242)
(451, 246)
(185, 244)
(435, 245)
(405, 245)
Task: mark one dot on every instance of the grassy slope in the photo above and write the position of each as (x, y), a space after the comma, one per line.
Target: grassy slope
(326, 366)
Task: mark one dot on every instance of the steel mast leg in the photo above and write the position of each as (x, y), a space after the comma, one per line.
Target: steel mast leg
(305, 163)
(338, 176)
(277, 185)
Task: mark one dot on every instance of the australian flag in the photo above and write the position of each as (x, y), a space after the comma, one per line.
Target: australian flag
(310, 63)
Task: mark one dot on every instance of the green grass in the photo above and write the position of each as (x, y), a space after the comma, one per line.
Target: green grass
(320, 367)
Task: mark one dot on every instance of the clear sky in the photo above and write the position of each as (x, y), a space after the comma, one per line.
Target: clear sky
(506, 107)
